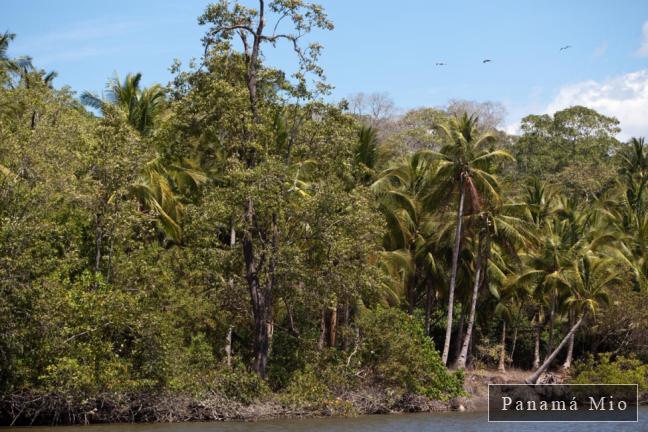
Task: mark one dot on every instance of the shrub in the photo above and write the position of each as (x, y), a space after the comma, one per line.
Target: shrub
(397, 352)
(306, 388)
(314, 388)
(239, 384)
(603, 370)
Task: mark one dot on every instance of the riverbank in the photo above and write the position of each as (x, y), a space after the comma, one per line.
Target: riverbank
(28, 408)
(476, 384)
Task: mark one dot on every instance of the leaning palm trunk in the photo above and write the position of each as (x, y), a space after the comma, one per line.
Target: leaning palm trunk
(453, 276)
(536, 375)
(461, 361)
(502, 360)
(570, 353)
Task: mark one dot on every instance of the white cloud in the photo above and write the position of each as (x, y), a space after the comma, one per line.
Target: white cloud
(643, 49)
(624, 97)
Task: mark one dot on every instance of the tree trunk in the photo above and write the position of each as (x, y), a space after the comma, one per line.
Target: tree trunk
(570, 352)
(515, 334)
(552, 315)
(291, 320)
(332, 326)
(228, 346)
(460, 332)
(322, 338)
(461, 361)
(411, 290)
(232, 233)
(347, 322)
(536, 349)
(471, 349)
(252, 63)
(570, 349)
(502, 360)
(260, 294)
(536, 375)
(453, 275)
(98, 241)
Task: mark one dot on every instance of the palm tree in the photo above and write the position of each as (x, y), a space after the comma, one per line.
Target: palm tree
(160, 186)
(544, 270)
(11, 66)
(157, 190)
(401, 190)
(634, 169)
(589, 279)
(511, 299)
(141, 105)
(465, 167)
(366, 153)
(623, 215)
(500, 225)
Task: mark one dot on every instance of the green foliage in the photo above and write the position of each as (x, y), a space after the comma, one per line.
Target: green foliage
(398, 353)
(315, 388)
(602, 369)
(571, 149)
(191, 227)
(306, 388)
(239, 384)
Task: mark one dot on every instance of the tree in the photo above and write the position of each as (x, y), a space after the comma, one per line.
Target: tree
(496, 225)
(10, 67)
(573, 148)
(415, 130)
(375, 109)
(590, 279)
(367, 153)
(490, 114)
(403, 190)
(465, 165)
(250, 27)
(142, 106)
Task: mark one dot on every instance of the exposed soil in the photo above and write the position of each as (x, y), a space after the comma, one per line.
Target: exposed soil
(476, 383)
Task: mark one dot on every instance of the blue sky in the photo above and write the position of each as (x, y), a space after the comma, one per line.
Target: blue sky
(379, 46)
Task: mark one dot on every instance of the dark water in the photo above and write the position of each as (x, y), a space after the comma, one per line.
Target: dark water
(444, 422)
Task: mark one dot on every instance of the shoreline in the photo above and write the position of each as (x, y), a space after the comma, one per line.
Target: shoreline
(49, 409)
(32, 408)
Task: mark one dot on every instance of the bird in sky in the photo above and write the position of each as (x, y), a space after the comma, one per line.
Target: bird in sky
(440, 64)
(566, 47)
(486, 61)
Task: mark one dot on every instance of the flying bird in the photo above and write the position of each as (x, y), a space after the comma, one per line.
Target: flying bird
(440, 64)
(486, 61)
(566, 47)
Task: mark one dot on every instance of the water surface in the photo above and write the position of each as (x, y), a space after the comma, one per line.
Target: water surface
(445, 422)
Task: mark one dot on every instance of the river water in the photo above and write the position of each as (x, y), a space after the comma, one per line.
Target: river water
(442, 422)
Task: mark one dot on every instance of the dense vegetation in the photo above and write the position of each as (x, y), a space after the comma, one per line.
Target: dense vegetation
(231, 232)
